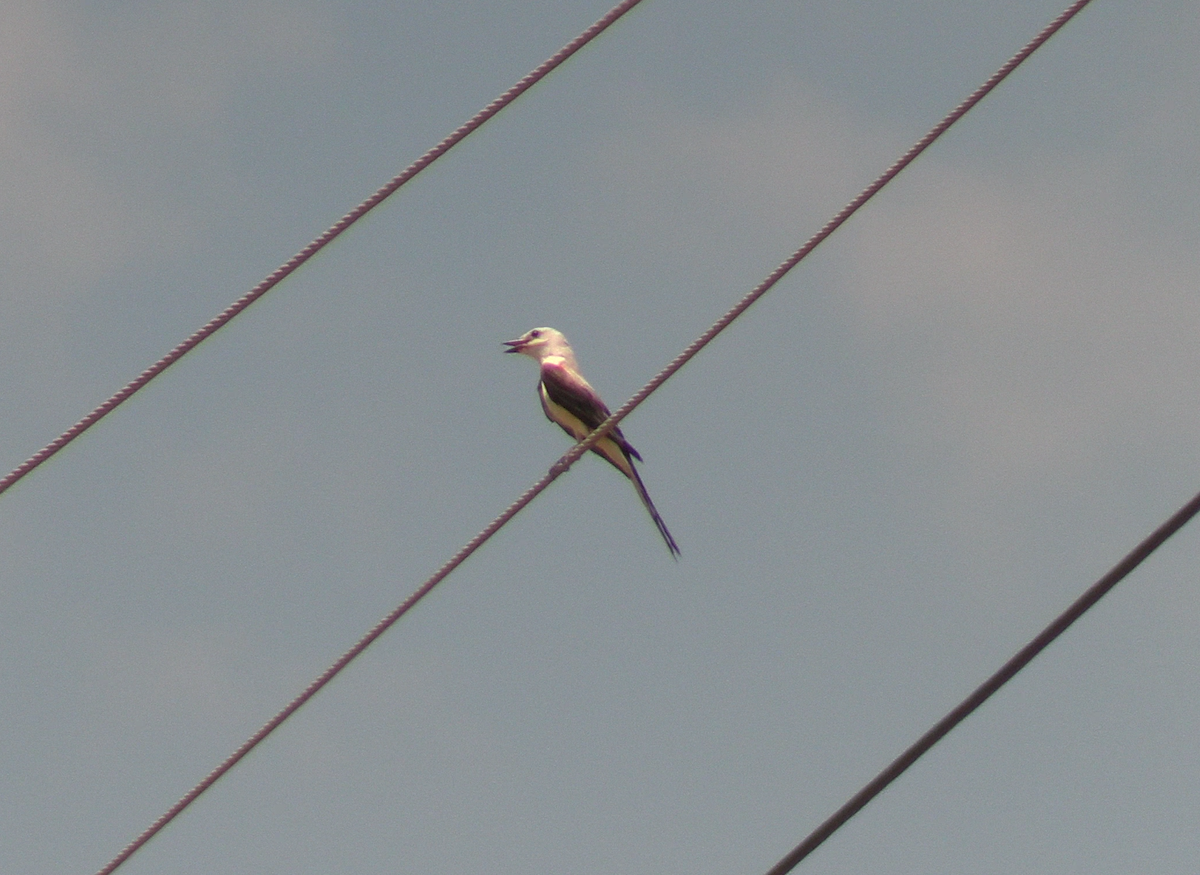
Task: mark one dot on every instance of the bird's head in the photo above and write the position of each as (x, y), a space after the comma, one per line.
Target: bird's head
(538, 343)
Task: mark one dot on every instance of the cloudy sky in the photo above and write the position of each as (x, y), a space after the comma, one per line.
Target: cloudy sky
(889, 475)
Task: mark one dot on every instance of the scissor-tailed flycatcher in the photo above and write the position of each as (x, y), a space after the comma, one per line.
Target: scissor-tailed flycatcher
(573, 404)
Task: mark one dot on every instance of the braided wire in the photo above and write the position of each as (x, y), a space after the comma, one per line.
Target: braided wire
(241, 304)
(573, 455)
(294, 263)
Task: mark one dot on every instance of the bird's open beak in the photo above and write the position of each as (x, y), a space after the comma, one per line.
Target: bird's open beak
(514, 345)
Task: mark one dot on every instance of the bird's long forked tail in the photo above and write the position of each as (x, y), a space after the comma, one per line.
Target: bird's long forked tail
(653, 511)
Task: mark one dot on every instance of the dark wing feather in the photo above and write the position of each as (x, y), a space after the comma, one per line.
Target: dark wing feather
(582, 402)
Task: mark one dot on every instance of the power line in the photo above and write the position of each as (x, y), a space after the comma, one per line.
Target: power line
(846, 212)
(1023, 657)
(573, 455)
(241, 304)
(226, 315)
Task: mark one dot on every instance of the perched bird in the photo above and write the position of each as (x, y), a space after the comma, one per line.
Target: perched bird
(570, 401)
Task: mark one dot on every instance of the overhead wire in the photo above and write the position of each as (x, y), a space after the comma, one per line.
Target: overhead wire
(577, 451)
(223, 318)
(985, 690)
(288, 268)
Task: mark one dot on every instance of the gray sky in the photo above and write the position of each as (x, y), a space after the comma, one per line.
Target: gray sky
(887, 477)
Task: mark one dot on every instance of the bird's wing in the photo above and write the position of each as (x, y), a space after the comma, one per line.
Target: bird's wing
(572, 393)
(571, 402)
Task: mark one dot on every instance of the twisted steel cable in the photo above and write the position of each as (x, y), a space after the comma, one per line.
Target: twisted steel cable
(241, 304)
(225, 316)
(573, 455)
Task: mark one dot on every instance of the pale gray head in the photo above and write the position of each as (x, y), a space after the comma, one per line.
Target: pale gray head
(541, 343)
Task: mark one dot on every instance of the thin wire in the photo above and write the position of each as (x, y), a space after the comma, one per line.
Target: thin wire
(1023, 657)
(241, 304)
(850, 209)
(573, 455)
(315, 246)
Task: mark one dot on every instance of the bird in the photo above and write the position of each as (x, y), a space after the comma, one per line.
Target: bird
(571, 403)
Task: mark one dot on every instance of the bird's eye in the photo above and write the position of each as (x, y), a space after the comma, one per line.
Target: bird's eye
(535, 333)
